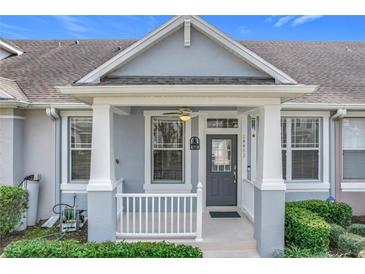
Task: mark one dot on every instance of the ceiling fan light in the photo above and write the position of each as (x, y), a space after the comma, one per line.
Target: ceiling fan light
(184, 117)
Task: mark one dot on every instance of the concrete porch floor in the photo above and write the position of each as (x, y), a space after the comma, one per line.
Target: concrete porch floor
(223, 237)
(227, 237)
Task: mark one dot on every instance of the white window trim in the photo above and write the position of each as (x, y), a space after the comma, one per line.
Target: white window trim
(66, 185)
(150, 187)
(323, 183)
(204, 131)
(355, 185)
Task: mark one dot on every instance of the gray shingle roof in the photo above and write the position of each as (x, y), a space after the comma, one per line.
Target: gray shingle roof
(337, 67)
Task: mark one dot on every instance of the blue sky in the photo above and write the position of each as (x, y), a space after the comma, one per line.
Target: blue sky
(308, 28)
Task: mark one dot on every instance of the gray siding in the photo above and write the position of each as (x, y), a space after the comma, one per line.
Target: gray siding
(203, 58)
(300, 196)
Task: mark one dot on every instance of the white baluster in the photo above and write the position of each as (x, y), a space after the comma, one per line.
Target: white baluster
(121, 213)
(178, 214)
(140, 214)
(127, 212)
(159, 214)
(134, 214)
(191, 214)
(153, 215)
(184, 214)
(165, 214)
(146, 214)
(172, 214)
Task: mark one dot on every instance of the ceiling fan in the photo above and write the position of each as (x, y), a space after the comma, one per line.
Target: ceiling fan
(184, 114)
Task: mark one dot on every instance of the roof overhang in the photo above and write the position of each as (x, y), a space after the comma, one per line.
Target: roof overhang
(89, 93)
(170, 27)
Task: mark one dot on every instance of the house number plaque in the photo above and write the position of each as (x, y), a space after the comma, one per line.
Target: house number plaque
(194, 143)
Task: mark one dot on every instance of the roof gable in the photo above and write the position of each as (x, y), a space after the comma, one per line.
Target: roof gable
(257, 63)
(171, 57)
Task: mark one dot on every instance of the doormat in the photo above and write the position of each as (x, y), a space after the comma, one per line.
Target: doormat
(224, 214)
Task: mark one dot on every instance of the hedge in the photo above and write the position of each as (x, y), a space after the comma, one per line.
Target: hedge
(332, 212)
(352, 244)
(41, 248)
(13, 202)
(297, 252)
(304, 229)
(335, 232)
(358, 229)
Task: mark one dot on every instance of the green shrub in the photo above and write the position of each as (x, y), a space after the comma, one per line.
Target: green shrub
(72, 249)
(13, 202)
(297, 252)
(306, 230)
(335, 232)
(358, 229)
(361, 254)
(332, 212)
(352, 244)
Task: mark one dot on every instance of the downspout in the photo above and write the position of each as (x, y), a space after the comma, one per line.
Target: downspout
(54, 116)
(340, 113)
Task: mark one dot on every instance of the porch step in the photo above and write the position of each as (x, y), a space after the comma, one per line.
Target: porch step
(231, 254)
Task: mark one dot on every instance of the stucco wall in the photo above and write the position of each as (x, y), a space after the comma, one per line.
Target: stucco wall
(355, 199)
(203, 58)
(38, 156)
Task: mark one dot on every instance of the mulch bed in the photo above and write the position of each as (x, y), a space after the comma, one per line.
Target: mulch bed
(80, 236)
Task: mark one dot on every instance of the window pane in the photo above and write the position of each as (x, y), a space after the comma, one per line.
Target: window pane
(167, 133)
(222, 123)
(80, 164)
(80, 130)
(283, 159)
(353, 164)
(305, 132)
(353, 132)
(283, 132)
(304, 164)
(221, 155)
(167, 165)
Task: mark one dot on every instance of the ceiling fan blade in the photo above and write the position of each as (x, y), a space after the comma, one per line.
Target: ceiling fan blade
(171, 113)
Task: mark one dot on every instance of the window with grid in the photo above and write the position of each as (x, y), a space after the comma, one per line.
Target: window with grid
(79, 148)
(300, 138)
(167, 150)
(353, 148)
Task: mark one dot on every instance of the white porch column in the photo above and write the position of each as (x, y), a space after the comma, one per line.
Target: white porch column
(101, 187)
(270, 187)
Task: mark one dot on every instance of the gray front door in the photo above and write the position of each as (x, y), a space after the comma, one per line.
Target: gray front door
(221, 170)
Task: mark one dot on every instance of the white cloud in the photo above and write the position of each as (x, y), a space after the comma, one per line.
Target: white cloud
(243, 29)
(73, 23)
(282, 21)
(305, 19)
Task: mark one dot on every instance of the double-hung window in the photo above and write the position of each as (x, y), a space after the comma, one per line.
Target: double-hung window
(353, 147)
(79, 148)
(168, 135)
(300, 137)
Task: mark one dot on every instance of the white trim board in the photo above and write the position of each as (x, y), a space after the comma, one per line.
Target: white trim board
(204, 131)
(171, 26)
(150, 187)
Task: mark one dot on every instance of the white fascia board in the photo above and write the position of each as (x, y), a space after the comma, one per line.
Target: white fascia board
(171, 26)
(193, 90)
(329, 106)
(10, 48)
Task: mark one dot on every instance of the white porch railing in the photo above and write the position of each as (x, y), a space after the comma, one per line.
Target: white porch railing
(158, 215)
